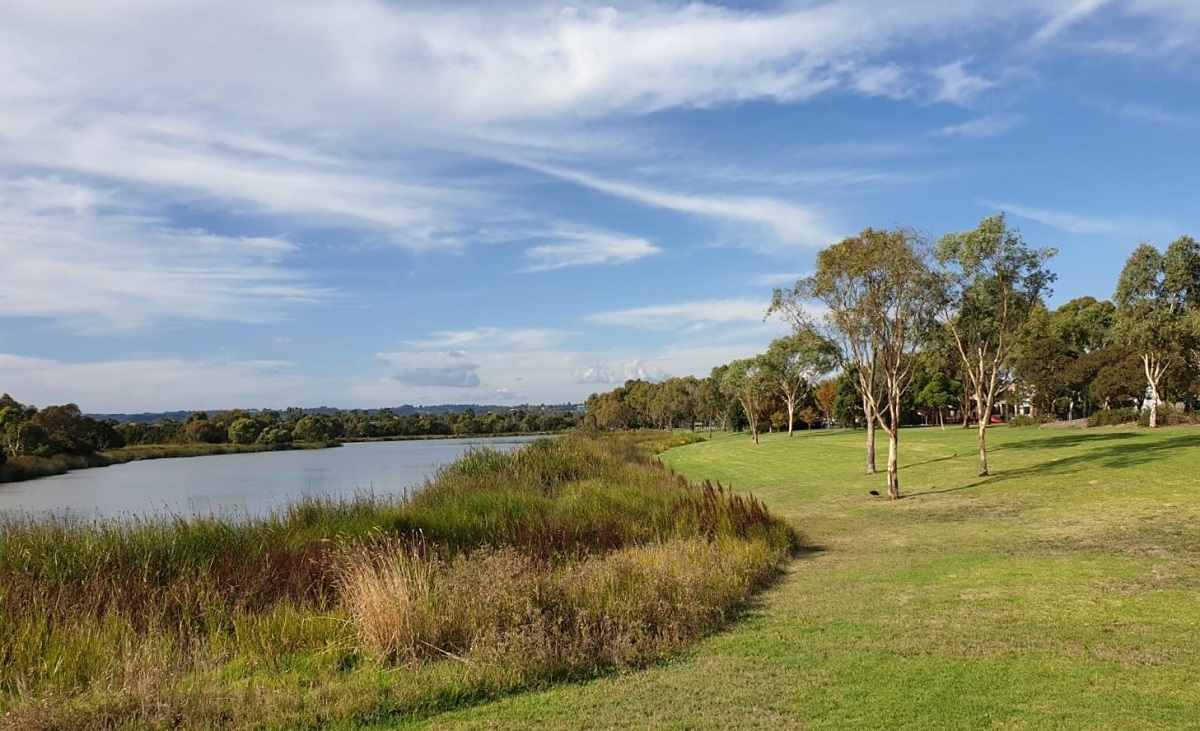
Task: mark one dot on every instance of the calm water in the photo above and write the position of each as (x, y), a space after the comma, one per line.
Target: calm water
(239, 485)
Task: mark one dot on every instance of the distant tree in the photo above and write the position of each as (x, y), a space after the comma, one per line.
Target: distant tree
(1156, 299)
(794, 362)
(848, 405)
(992, 282)
(1042, 360)
(825, 398)
(198, 428)
(319, 428)
(712, 407)
(245, 431)
(748, 382)
(1085, 324)
(1117, 377)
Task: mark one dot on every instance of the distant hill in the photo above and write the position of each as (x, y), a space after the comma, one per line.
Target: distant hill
(149, 417)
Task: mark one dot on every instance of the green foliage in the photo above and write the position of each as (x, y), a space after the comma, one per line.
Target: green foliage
(245, 431)
(750, 383)
(1026, 420)
(1114, 417)
(993, 283)
(1157, 302)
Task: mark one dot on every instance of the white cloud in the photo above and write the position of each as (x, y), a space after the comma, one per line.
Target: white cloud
(788, 222)
(489, 338)
(70, 254)
(1073, 223)
(957, 86)
(685, 315)
(463, 376)
(1064, 19)
(784, 279)
(987, 126)
(588, 248)
(617, 373)
(1061, 220)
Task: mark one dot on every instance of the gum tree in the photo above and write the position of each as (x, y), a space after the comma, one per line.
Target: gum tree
(746, 381)
(879, 296)
(794, 362)
(1156, 301)
(992, 282)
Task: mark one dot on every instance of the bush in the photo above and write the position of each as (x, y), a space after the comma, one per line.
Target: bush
(1024, 420)
(1115, 417)
(1179, 418)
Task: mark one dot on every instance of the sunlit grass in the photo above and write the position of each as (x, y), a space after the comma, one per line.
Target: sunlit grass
(1061, 592)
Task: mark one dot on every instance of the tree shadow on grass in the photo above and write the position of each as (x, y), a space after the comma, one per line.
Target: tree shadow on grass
(1121, 455)
(930, 461)
(1065, 438)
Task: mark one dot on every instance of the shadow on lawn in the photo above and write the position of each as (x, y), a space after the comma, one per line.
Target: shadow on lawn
(1067, 438)
(1118, 456)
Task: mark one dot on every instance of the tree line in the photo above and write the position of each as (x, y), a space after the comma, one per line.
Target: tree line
(893, 329)
(26, 430)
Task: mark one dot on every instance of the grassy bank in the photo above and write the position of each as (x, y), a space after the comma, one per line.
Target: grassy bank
(25, 467)
(565, 560)
(1059, 593)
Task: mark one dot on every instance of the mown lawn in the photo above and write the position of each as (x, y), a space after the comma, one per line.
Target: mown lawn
(1063, 591)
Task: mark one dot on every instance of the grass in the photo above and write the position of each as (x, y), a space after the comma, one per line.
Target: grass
(1062, 592)
(562, 561)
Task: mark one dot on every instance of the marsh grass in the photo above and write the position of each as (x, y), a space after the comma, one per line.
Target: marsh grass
(566, 559)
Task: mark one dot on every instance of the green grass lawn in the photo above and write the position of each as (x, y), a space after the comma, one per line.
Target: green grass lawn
(1063, 591)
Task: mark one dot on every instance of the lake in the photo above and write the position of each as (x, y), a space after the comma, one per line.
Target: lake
(239, 485)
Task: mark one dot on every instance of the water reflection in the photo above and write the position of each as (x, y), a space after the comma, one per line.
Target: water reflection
(238, 485)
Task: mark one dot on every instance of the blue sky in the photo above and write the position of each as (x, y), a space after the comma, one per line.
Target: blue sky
(209, 204)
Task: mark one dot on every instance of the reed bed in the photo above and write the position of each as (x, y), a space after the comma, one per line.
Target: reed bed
(571, 557)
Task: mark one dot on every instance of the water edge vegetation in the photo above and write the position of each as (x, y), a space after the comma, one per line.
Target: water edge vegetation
(566, 559)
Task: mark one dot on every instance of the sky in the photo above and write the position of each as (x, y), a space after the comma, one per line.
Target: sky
(208, 204)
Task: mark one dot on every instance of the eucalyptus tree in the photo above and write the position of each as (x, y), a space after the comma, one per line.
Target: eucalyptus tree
(712, 404)
(1156, 304)
(879, 296)
(748, 382)
(992, 283)
(794, 363)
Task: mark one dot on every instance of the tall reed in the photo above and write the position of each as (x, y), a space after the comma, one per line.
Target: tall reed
(567, 558)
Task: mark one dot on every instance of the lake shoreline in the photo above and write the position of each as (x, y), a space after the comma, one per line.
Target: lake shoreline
(25, 468)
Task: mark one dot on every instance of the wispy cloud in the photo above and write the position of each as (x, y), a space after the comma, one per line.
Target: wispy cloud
(1074, 223)
(987, 126)
(71, 254)
(489, 338)
(589, 248)
(1067, 17)
(775, 279)
(1151, 114)
(788, 222)
(684, 315)
(958, 86)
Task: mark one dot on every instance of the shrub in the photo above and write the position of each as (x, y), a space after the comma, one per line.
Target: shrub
(1114, 417)
(1026, 420)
